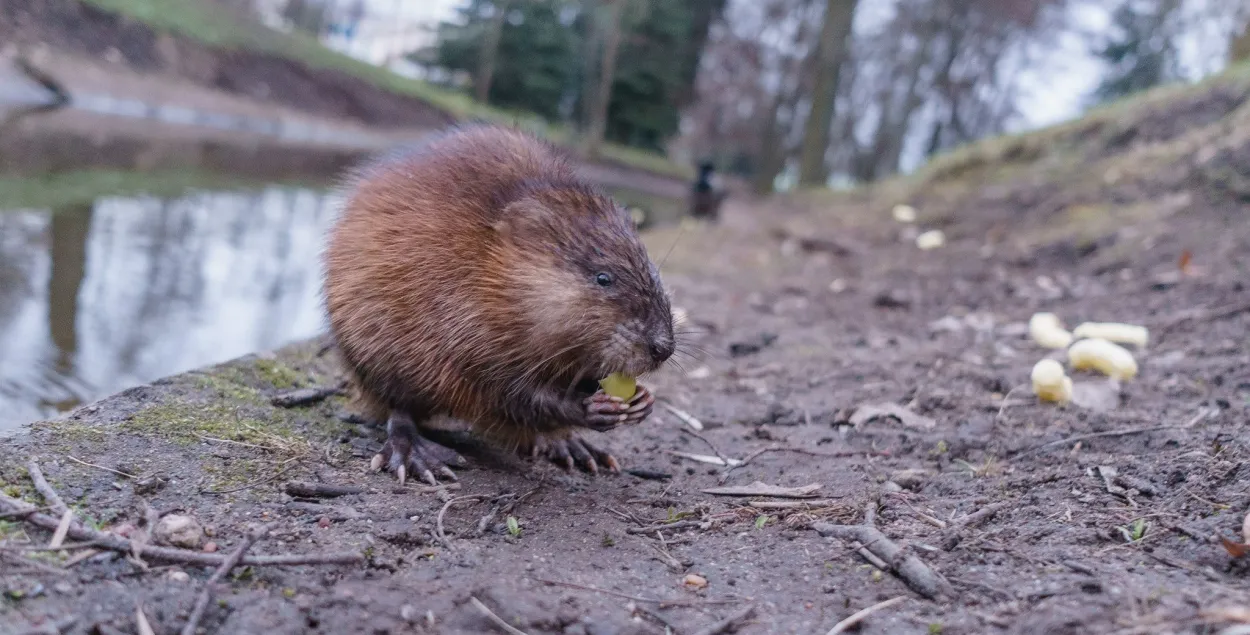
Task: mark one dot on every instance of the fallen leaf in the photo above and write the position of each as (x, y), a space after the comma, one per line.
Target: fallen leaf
(909, 419)
(1099, 396)
(703, 458)
(763, 489)
(1186, 257)
(1234, 549)
(695, 581)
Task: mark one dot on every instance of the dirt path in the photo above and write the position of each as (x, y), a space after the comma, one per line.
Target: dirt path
(1102, 521)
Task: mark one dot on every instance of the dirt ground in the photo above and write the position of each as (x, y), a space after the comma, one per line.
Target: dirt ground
(803, 313)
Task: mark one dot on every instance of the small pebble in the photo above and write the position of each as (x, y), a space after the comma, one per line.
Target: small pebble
(179, 576)
(409, 613)
(210, 547)
(696, 581)
(63, 587)
(179, 531)
(323, 522)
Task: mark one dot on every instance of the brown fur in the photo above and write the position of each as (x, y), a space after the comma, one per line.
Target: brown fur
(460, 280)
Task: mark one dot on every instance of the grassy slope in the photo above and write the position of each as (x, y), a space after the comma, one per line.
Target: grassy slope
(200, 20)
(1084, 158)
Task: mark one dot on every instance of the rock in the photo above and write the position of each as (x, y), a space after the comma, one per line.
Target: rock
(177, 530)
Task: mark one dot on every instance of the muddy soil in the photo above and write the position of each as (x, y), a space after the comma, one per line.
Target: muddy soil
(802, 313)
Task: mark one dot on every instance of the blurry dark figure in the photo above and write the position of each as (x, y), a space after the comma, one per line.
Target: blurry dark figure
(705, 199)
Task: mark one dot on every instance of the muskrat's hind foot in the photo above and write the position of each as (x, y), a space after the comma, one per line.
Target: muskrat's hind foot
(574, 451)
(407, 452)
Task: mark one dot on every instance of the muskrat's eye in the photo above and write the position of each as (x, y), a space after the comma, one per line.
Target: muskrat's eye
(603, 279)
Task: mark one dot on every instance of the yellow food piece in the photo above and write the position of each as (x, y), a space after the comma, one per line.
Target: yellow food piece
(1050, 383)
(619, 385)
(904, 213)
(1104, 356)
(1113, 332)
(931, 239)
(1048, 331)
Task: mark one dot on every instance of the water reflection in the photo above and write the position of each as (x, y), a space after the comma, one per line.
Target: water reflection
(99, 297)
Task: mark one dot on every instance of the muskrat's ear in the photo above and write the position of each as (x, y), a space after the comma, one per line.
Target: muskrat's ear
(519, 216)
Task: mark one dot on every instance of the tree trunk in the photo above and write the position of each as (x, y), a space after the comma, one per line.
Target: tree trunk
(607, 73)
(1239, 47)
(490, 50)
(830, 51)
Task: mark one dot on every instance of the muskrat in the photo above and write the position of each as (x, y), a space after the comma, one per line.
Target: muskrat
(477, 277)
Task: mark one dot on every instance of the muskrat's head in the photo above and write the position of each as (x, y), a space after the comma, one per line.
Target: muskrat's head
(585, 285)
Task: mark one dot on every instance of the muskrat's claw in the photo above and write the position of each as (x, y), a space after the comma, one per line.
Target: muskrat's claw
(406, 452)
(575, 452)
(605, 412)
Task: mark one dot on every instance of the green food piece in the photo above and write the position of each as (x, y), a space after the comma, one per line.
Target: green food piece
(619, 385)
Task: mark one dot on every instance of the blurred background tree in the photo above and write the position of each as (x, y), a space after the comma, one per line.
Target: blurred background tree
(809, 92)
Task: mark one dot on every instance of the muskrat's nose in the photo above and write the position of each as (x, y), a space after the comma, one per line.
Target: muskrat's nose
(662, 349)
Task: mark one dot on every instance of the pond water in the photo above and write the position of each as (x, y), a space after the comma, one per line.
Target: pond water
(124, 260)
(99, 296)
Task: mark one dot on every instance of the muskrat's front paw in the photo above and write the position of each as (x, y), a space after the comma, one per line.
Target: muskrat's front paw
(574, 451)
(605, 412)
(406, 452)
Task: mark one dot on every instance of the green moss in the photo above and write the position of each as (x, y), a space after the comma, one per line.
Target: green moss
(180, 421)
(278, 375)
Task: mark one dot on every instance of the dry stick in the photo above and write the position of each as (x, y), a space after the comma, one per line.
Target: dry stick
(141, 621)
(117, 543)
(62, 528)
(626, 596)
(438, 525)
(41, 485)
(728, 623)
(681, 524)
(715, 450)
(1095, 435)
(490, 615)
(282, 472)
(320, 490)
(859, 616)
(777, 448)
(34, 564)
(99, 467)
(908, 567)
(952, 537)
(201, 604)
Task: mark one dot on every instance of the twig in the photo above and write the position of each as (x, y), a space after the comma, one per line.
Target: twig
(114, 542)
(809, 504)
(859, 616)
(282, 472)
(498, 621)
(141, 620)
(952, 535)
(728, 623)
(681, 524)
(201, 604)
(781, 448)
(715, 450)
(41, 485)
(204, 437)
(915, 573)
(684, 416)
(320, 490)
(34, 564)
(99, 467)
(1094, 435)
(305, 396)
(62, 528)
(438, 525)
(626, 596)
